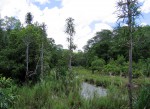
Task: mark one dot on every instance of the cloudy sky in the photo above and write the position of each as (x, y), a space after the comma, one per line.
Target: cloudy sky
(90, 16)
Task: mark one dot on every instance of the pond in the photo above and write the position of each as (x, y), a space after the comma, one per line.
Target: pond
(88, 91)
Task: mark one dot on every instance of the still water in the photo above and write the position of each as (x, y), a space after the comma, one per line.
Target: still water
(89, 91)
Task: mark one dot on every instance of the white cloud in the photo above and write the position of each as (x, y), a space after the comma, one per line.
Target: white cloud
(85, 13)
(42, 1)
(146, 6)
(101, 26)
(143, 24)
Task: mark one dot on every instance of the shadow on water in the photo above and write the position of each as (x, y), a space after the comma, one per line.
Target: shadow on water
(89, 91)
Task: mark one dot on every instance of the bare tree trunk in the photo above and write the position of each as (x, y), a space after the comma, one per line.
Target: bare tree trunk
(130, 75)
(42, 61)
(70, 58)
(129, 2)
(129, 11)
(27, 61)
(70, 55)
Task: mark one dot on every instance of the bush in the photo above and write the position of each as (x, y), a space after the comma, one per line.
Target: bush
(7, 93)
(98, 64)
(111, 68)
(117, 67)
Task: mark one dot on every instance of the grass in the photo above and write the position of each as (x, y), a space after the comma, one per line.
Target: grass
(105, 80)
(100, 80)
(43, 97)
(61, 94)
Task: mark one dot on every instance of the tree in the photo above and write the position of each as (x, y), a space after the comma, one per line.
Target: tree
(10, 23)
(70, 30)
(29, 18)
(129, 11)
(1, 35)
(27, 41)
(43, 35)
(97, 64)
(100, 46)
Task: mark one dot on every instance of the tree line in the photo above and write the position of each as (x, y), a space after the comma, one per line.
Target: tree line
(26, 53)
(107, 51)
(110, 46)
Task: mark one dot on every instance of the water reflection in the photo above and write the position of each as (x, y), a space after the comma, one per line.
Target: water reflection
(88, 91)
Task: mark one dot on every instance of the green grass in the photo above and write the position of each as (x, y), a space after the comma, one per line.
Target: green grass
(56, 94)
(41, 96)
(105, 81)
(100, 80)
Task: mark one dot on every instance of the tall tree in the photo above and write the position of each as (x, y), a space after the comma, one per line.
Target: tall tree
(42, 49)
(29, 18)
(70, 30)
(1, 35)
(129, 11)
(27, 42)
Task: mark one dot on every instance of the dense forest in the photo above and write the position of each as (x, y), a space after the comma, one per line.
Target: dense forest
(34, 72)
(106, 51)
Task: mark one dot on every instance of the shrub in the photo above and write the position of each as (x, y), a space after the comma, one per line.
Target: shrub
(111, 68)
(117, 67)
(98, 64)
(7, 93)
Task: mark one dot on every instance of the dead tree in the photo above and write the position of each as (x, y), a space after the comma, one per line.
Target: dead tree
(42, 50)
(129, 11)
(70, 30)
(27, 42)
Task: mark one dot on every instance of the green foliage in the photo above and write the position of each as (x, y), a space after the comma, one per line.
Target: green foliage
(54, 93)
(79, 59)
(111, 44)
(111, 68)
(117, 67)
(13, 54)
(143, 99)
(7, 93)
(106, 52)
(141, 68)
(29, 18)
(10, 23)
(98, 64)
(58, 90)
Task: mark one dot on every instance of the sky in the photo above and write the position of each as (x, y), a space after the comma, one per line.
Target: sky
(90, 16)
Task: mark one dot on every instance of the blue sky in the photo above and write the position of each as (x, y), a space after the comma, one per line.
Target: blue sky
(52, 4)
(145, 18)
(90, 16)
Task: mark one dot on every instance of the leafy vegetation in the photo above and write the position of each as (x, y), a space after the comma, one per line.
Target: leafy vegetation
(36, 73)
(8, 93)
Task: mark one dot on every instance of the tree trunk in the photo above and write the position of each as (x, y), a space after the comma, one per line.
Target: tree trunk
(70, 54)
(42, 61)
(70, 61)
(27, 61)
(130, 25)
(130, 76)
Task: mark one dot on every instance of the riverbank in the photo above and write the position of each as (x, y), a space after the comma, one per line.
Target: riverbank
(66, 93)
(105, 80)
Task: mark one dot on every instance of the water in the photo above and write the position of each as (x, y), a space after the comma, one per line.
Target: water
(88, 91)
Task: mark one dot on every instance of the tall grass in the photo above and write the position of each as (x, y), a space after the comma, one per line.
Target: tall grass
(143, 100)
(63, 92)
